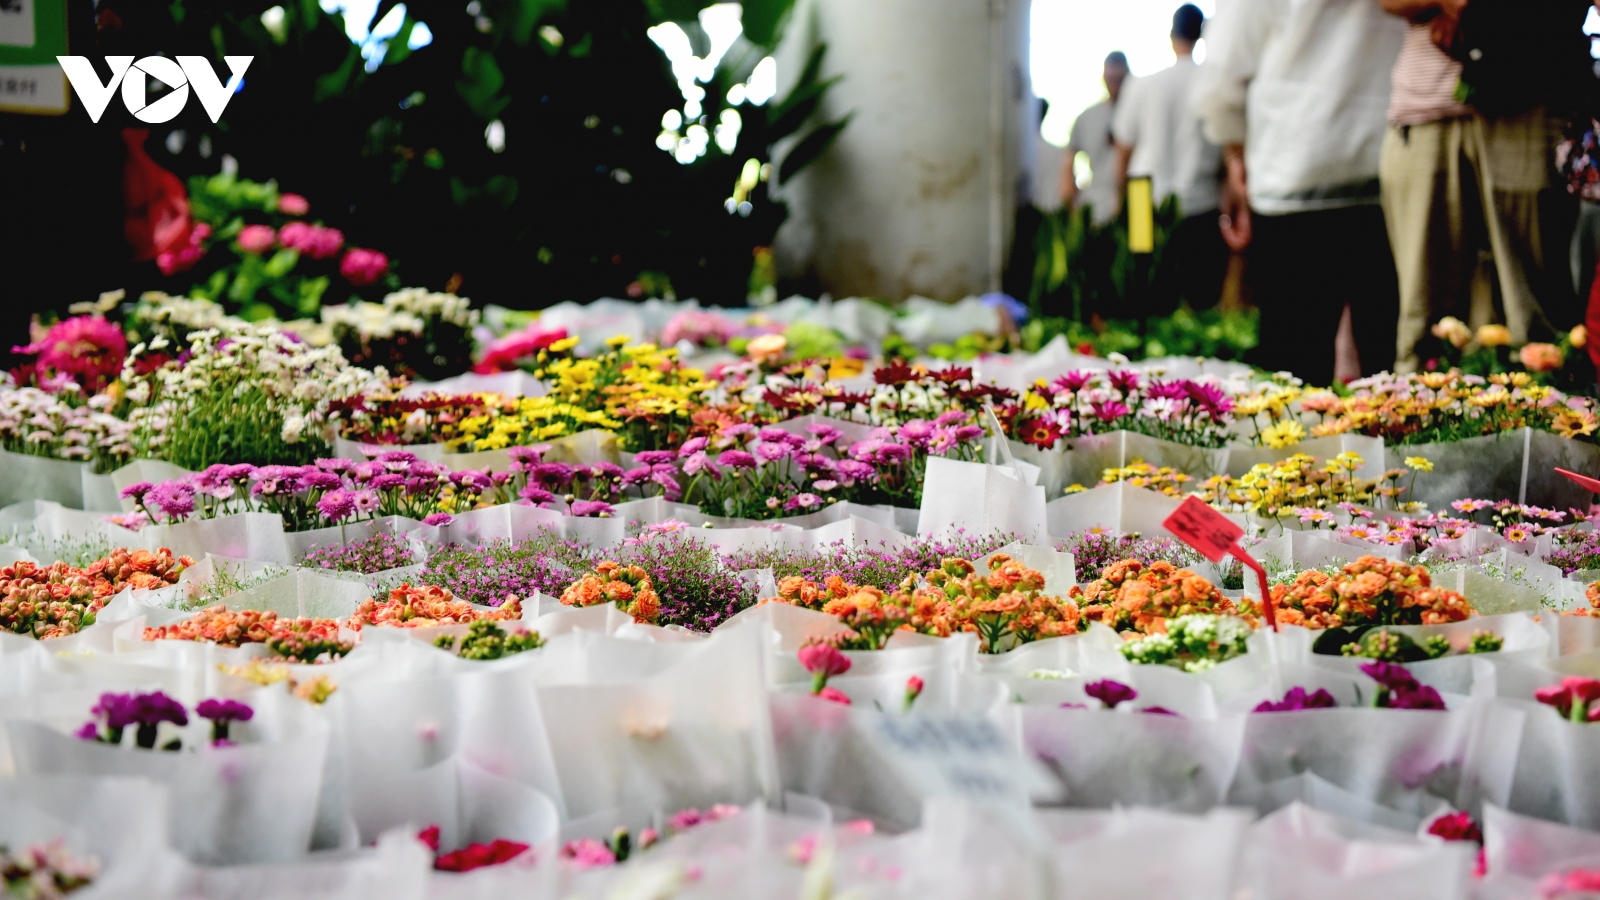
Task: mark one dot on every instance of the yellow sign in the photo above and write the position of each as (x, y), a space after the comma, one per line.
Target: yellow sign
(1141, 216)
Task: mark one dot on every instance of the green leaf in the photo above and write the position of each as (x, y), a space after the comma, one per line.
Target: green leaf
(256, 312)
(338, 81)
(583, 47)
(281, 263)
(311, 291)
(764, 21)
(481, 83)
(811, 147)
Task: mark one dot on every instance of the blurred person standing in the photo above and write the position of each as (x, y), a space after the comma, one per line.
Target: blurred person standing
(1297, 95)
(1469, 160)
(1159, 136)
(1091, 134)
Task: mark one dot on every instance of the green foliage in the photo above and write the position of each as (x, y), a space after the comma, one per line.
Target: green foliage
(577, 202)
(484, 641)
(1213, 333)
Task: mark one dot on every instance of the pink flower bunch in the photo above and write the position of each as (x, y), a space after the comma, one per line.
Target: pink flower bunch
(472, 856)
(702, 328)
(588, 491)
(183, 256)
(1081, 403)
(823, 660)
(315, 241)
(1399, 689)
(504, 354)
(1575, 883)
(759, 473)
(293, 205)
(87, 349)
(1574, 698)
(362, 267)
(331, 492)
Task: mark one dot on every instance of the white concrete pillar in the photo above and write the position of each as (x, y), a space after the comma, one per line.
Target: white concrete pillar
(918, 195)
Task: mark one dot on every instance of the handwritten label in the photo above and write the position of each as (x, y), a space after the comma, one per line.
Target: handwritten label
(969, 757)
(1203, 528)
(1584, 480)
(1215, 536)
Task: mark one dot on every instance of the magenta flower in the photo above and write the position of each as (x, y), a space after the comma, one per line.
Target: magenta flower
(834, 695)
(137, 490)
(528, 456)
(1297, 699)
(89, 349)
(772, 452)
(1110, 693)
(175, 499)
(363, 267)
(738, 459)
(337, 505)
(535, 494)
(439, 518)
(1109, 411)
(293, 205)
(654, 457)
(691, 447)
(222, 713)
(592, 509)
(1399, 689)
(823, 661)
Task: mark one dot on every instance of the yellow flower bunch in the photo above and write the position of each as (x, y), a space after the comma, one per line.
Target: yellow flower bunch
(1165, 480)
(1275, 489)
(641, 391)
(522, 422)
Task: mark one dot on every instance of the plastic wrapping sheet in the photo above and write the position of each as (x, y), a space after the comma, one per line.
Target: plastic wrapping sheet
(690, 733)
(1120, 507)
(1513, 465)
(1299, 853)
(1325, 796)
(121, 823)
(27, 477)
(979, 499)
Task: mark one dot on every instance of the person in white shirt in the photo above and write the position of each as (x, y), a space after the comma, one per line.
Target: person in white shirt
(1297, 94)
(1159, 136)
(1091, 134)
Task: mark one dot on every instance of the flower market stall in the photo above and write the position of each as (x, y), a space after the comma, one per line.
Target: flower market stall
(821, 600)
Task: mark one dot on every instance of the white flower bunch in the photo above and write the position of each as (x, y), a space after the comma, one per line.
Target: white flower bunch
(255, 364)
(43, 424)
(403, 312)
(171, 315)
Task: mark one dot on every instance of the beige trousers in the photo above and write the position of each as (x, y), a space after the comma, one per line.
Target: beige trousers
(1451, 190)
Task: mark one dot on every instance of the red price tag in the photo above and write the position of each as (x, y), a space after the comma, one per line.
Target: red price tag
(1584, 480)
(1203, 528)
(1215, 536)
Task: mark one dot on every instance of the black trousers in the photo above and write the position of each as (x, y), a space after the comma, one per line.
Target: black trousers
(1304, 269)
(1194, 265)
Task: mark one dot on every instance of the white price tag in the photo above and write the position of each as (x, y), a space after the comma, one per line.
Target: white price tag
(945, 755)
(16, 23)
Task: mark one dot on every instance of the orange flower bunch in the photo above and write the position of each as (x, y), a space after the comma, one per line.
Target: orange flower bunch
(1131, 596)
(298, 639)
(48, 601)
(139, 569)
(1005, 608)
(628, 587)
(425, 607)
(1370, 591)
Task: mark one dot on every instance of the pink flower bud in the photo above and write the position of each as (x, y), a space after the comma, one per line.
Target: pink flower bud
(363, 267)
(293, 205)
(824, 659)
(834, 695)
(257, 238)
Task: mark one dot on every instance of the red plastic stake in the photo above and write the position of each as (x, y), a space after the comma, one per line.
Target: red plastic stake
(1215, 536)
(1583, 480)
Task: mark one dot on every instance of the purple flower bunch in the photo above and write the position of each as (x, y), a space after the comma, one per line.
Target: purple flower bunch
(1196, 413)
(116, 712)
(881, 567)
(762, 473)
(378, 553)
(330, 492)
(1399, 689)
(1096, 548)
(1297, 699)
(590, 490)
(490, 573)
(1112, 694)
(221, 714)
(1516, 522)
